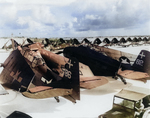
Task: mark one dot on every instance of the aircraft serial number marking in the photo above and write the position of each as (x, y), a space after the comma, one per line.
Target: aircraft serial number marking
(139, 62)
(67, 74)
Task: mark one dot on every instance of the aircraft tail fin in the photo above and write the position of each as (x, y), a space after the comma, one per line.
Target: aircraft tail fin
(73, 78)
(142, 62)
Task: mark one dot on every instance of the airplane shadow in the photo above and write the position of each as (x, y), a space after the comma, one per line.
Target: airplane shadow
(111, 87)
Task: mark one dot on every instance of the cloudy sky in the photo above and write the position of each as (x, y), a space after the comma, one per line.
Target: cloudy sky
(74, 18)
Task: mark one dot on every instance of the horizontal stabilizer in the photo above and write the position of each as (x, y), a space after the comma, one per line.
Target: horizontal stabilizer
(135, 75)
(47, 93)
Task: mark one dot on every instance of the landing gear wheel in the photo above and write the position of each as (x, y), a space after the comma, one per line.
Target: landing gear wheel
(57, 99)
(122, 79)
(115, 77)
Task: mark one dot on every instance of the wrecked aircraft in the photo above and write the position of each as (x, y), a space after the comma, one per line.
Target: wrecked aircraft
(106, 62)
(28, 70)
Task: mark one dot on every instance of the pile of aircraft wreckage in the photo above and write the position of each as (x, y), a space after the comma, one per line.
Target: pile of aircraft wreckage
(39, 73)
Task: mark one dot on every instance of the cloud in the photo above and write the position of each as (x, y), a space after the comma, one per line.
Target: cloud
(43, 15)
(39, 2)
(120, 14)
(47, 18)
(8, 12)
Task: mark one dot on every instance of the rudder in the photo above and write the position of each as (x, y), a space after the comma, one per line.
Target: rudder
(142, 62)
(73, 67)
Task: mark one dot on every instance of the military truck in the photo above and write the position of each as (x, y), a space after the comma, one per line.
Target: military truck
(129, 103)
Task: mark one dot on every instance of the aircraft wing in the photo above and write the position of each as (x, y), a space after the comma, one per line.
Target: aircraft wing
(135, 75)
(115, 54)
(87, 78)
(41, 92)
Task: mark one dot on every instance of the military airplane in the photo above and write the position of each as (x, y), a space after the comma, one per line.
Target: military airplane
(28, 70)
(102, 62)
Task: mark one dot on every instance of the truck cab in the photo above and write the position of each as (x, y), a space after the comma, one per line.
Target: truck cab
(129, 104)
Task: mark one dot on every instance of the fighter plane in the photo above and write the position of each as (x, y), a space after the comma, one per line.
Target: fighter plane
(102, 62)
(38, 73)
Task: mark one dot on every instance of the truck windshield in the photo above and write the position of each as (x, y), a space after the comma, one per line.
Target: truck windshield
(124, 102)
